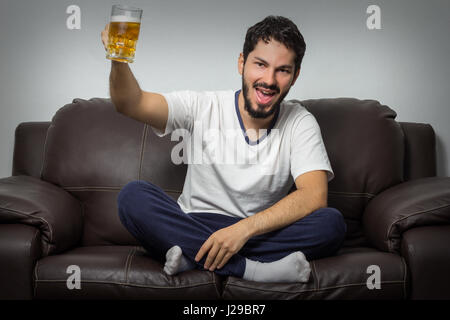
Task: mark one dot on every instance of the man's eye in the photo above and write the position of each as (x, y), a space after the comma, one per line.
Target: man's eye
(285, 71)
(259, 64)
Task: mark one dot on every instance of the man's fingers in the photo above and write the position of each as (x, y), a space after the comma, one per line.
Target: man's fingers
(106, 30)
(211, 255)
(203, 249)
(104, 35)
(219, 257)
(225, 259)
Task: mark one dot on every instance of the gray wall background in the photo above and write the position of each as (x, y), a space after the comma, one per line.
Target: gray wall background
(195, 45)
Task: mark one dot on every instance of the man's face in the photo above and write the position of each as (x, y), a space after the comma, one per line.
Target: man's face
(267, 76)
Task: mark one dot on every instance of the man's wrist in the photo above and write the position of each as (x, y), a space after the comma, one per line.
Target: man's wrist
(118, 64)
(249, 227)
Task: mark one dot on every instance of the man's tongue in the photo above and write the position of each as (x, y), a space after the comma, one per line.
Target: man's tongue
(262, 98)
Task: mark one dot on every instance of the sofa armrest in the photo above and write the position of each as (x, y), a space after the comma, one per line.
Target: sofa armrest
(415, 203)
(52, 210)
(427, 255)
(20, 248)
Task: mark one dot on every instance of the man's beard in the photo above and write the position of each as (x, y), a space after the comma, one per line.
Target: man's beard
(260, 113)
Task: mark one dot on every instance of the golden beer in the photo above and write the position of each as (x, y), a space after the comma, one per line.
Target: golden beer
(123, 33)
(122, 39)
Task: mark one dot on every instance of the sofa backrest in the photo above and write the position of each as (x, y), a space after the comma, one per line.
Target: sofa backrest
(92, 151)
(366, 149)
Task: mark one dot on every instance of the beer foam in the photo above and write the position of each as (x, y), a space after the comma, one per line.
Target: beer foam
(124, 19)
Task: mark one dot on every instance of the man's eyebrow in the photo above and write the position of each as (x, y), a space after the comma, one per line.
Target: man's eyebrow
(286, 66)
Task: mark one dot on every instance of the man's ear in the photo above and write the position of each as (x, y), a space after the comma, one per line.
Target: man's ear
(295, 77)
(241, 64)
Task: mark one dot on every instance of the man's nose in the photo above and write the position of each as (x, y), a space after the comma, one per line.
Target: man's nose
(269, 77)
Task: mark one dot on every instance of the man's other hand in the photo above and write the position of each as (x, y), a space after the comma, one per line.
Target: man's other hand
(222, 245)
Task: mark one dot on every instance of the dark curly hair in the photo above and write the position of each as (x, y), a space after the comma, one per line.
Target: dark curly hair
(280, 29)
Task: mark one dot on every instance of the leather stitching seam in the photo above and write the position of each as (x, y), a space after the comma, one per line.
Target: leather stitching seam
(317, 290)
(315, 275)
(33, 217)
(144, 138)
(353, 194)
(133, 284)
(35, 278)
(44, 158)
(128, 263)
(106, 189)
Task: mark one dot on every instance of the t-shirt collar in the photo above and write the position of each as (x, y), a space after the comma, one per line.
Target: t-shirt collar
(272, 124)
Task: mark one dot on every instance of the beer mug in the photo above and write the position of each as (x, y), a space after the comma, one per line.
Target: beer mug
(123, 33)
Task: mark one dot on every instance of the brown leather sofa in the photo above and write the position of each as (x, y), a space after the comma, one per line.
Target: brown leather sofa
(59, 208)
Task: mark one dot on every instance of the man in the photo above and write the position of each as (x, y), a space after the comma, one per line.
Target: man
(238, 219)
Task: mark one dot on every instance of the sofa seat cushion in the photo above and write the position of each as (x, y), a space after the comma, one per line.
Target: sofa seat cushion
(343, 276)
(118, 272)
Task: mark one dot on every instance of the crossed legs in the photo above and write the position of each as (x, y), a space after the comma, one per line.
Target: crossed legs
(159, 224)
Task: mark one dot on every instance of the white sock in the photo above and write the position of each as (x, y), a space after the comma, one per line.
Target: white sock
(292, 268)
(176, 262)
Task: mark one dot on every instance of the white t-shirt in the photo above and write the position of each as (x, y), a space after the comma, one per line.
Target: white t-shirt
(229, 174)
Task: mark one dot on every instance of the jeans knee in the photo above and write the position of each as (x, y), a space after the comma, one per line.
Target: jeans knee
(334, 227)
(128, 191)
(128, 197)
(339, 223)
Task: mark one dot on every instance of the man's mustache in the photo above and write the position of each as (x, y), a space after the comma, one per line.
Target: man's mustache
(266, 86)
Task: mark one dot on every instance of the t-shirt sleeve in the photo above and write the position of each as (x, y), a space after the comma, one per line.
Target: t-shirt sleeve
(308, 151)
(182, 107)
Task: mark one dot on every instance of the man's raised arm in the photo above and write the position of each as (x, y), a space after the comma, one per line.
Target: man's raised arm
(130, 100)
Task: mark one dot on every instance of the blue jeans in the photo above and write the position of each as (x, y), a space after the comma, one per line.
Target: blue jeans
(158, 223)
